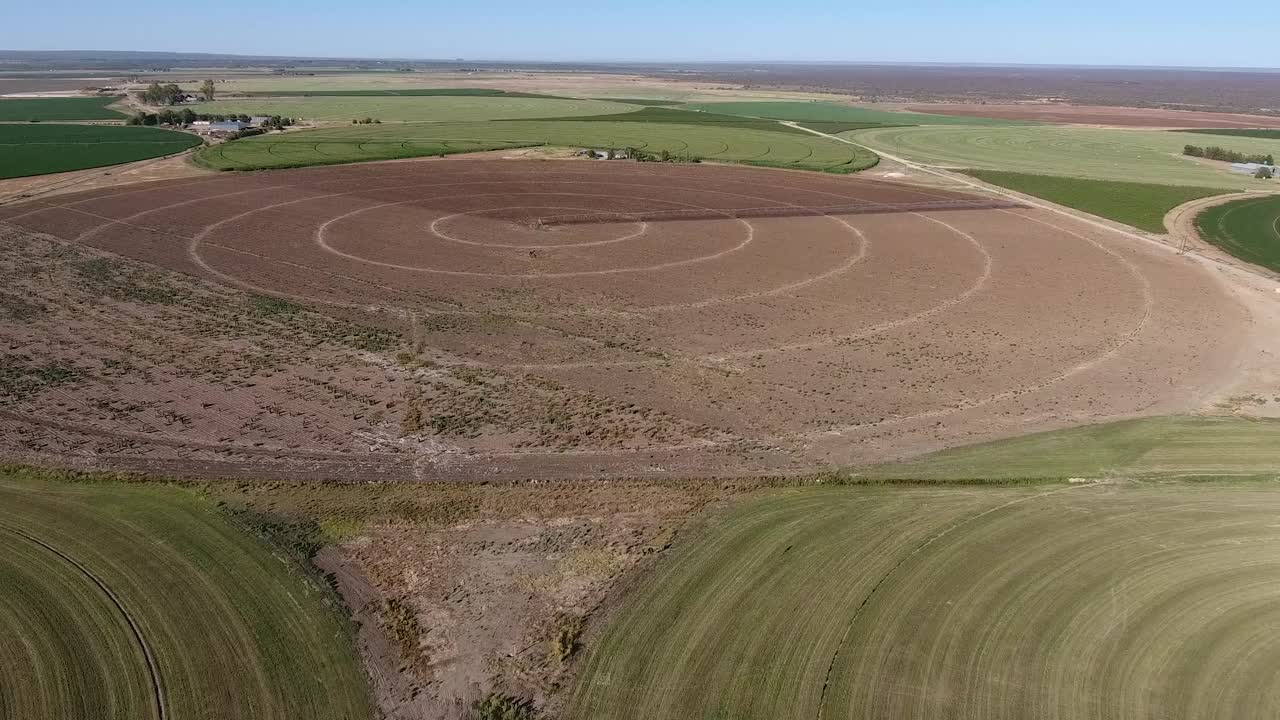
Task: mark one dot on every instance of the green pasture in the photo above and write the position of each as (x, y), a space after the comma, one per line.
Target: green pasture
(1142, 205)
(363, 143)
(686, 117)
(827, 112)
(398, 92)
(1114, 586)
(1248, 229)
(57, 109)
(1127, 155)
(436, 108)
(145, 601)
(41, 149)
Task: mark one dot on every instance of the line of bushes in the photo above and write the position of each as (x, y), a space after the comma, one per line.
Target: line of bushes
(186, 116)
(1213, 152)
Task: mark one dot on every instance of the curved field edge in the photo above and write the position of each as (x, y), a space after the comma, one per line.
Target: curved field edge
(878, 601)
(1140, 205)
(1248, 229)
(111, 579)
(28, 150)
(401, 141)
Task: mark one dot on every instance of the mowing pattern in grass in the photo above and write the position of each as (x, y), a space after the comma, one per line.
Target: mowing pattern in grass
(353, 144)
(1129, 155)
(121, 601)
(407, 109)
(1238, 132)
(833, 112)
(41, 149)
(1248, 229)
(1062, 600)
(1138, 204)
(407, 92)
(684, 117)
(1181, 446)
(52, 109)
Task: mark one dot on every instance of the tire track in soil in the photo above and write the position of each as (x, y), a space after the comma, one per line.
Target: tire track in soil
(153, 669)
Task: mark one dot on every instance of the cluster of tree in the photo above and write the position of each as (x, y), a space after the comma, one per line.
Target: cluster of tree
(367, 121)
(1213, 152)
(1264, 173)
(186, 116)
(158, 94)
(664, 156)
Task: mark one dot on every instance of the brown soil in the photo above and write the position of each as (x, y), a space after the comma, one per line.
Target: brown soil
(1100, 115)
(576, 319)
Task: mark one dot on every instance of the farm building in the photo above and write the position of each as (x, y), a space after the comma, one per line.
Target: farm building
(219, 128)
(1249, 168)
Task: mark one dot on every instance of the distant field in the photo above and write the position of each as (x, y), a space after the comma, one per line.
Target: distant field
(55, 109)
(115, 599)
(431, 107)
(399, 92)
(637, 101)
(686, 117)
(832, 112)
(1141, 205)
(1258, 133)
(1248, 229)
(41, 149)
(1128, 155)
(992, 603)
(362, 143)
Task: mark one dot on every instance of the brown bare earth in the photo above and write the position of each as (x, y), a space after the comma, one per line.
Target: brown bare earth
(1100, 115)
(467, 319)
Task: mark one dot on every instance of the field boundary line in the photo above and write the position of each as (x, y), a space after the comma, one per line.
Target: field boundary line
(153, 669)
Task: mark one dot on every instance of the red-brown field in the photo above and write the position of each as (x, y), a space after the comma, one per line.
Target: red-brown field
(511, 318)
(1101, 115)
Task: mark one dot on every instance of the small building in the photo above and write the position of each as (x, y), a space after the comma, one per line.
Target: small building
(226, 127)
(1249, 168)
(259, 120)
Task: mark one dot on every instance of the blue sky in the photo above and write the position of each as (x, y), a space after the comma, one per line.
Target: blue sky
(1086, 32)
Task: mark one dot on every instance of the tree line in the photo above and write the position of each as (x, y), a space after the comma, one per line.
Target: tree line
(186, 116)
(1213, 152)
(171, 94)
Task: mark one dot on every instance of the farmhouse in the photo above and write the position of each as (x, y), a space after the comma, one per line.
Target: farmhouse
(1249, 168)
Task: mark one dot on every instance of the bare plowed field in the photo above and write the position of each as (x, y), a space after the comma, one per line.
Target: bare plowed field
(1100, 115)
(465, 318)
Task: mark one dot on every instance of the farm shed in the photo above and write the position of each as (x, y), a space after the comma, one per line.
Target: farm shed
(1249, 168)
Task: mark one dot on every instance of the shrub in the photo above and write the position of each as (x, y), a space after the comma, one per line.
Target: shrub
(502, 707)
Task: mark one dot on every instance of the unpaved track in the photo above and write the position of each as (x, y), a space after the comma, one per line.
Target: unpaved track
(728, 298)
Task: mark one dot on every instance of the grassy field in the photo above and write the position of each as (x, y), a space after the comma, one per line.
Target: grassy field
(1116, 599)
(1127, 155)
(1248, 229)
(41, 149)
(115, 599)
(1238, 132)
(833, 113)
(339, 145)
(686, 117)
(398, 92)
(1142, 205)
(433, 108)
(55, 109)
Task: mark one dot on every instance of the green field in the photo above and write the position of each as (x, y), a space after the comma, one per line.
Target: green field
(41, 149)
(57, 109)
(837, 113)
(1127, 155)
(1248, 229)
(398, 92)
(1142, 205)
(414, 108)
(362, 143)
(1237, 132)
(686, 117)
(1121, 598)
(639, 101)
(115, 599)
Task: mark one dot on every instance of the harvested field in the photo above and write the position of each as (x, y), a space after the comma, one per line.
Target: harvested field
(435, 108)
(468, 318)
(1101, 115)
(1089, 600)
